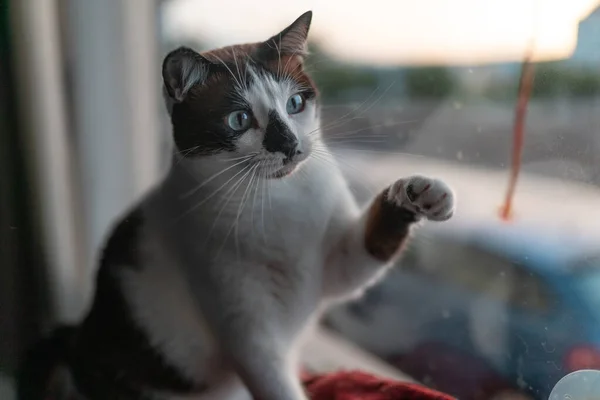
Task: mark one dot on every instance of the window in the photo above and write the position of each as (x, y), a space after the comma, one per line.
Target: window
(406, 87)
(430, 87)
(484, 273)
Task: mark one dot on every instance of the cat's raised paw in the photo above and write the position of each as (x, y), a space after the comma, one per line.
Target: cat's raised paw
(427, 197)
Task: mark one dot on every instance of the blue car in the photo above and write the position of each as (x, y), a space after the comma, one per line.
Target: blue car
(483, 310)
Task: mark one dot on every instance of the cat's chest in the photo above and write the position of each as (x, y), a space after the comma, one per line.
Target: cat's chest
(286, 218)
(298, 216)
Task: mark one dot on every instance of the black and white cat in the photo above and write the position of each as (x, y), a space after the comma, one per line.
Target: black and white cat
(206, 287)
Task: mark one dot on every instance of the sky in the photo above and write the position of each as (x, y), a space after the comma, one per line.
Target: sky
(392, 32)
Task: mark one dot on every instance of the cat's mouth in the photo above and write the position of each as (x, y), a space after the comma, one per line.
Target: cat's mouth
(284, 171)
(288, 166)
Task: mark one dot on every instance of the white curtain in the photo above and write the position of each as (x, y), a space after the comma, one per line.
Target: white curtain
(94, 155)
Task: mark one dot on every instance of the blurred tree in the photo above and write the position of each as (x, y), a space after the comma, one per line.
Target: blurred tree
(548, 80)
(584, 84)
(552, 80)
(557, 79)
(335, 82)
(429, 82)
(336, 79)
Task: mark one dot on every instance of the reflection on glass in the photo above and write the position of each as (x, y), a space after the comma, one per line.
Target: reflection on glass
(477, 308)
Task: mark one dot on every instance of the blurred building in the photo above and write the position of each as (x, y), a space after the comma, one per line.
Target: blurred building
(587, 52)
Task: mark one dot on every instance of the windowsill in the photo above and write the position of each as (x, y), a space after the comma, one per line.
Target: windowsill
(327, 352)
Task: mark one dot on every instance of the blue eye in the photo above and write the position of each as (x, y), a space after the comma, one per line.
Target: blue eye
(239, 120)
(295, 104)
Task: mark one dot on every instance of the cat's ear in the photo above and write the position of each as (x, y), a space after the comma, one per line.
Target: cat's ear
(182, 69)
(292, 40)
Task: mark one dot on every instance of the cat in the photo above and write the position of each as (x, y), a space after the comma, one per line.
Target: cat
(207, 287)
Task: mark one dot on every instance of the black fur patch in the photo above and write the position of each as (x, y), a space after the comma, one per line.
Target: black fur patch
(278, 137)
(41, 361)
(112, 357)
(388, 227)
(199, 130)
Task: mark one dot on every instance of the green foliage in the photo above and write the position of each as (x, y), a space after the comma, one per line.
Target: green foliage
(552, 80)
(584, 84)
(432, 82)
(335, 81)
(556, 79)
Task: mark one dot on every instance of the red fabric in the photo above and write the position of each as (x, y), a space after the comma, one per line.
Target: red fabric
(354, 385)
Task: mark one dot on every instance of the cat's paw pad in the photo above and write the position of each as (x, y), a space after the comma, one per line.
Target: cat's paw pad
(426, 197)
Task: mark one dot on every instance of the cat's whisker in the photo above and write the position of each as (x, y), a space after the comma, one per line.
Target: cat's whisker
(349, 113)
(239, 85)
(332, 137)
(364, 132)
(336, 122)
(302, 173)
(238, 183)
(241, 207)
(340, 105)
(255, 193)
(246, 73)
(246, 157)
(269, 194)
(255, 181)
(206, 199)
(240, 210)
(379, 151)
(341, 120)
(384, 124)
(278, 56)
(353, 136)
(288, 62)
(356, 141)
(243, 80)
(379, 98)
(366, 186)
(187, 151)
(213, 177)
(325, 155)
(230, 193)
(262, 204)
(180, 155)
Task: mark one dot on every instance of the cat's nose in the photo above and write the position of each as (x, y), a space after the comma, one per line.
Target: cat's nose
(279, 138)
(291, 152)
(281, 142)
(290, 148)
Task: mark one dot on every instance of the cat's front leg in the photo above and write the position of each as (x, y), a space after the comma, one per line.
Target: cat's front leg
(375, 239)
(246, 324)
(405, 202)
(262, 364)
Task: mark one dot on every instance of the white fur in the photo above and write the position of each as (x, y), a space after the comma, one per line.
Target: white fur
(268, 94)
(230, 287)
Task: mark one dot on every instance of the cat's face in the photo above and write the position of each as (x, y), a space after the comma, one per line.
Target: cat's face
(251, 101)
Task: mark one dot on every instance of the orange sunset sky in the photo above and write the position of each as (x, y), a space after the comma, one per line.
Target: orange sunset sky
(394, 31)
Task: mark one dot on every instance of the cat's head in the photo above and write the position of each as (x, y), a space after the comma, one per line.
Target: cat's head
(251, 100)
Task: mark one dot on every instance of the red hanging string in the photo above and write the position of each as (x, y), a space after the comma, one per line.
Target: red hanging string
(525, 87)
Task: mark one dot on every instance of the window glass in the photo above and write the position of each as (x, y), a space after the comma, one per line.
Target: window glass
(431, 88)
(485, 273)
